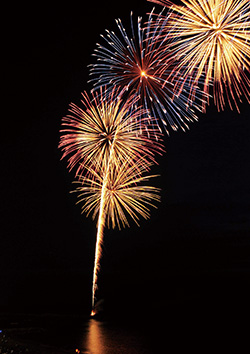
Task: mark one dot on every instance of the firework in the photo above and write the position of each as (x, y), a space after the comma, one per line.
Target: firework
(115, 191)
(110, 151)
(212, 43)
(137, 65)
(88, 133)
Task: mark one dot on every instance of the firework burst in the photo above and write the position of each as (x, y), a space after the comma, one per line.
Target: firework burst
(124, 193)
(88, 133)
(137, 65)
(211, 40)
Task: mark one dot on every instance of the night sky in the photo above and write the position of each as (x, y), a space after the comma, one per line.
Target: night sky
(195, 249)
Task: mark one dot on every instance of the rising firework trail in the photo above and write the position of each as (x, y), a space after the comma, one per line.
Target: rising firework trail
(136, 63)
(119, 191)
(110, 152)
(211, 42)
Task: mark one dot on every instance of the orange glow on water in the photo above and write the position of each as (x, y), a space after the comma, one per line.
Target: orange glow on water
(96, 340)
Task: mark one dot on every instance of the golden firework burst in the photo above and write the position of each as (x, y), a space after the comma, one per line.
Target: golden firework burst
(106, 121)
(126, 193)
(211, 41)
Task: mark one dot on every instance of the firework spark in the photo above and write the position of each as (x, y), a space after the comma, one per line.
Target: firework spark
(212, 43)
(115, 192)
(138, 65)
(88, 133)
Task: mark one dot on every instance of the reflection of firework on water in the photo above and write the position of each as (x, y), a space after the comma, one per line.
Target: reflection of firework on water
(87, 135)
(115, 191)
(211, 38)
(107, 143)
(138, 65)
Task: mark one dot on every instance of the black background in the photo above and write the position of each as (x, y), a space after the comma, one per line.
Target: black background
(192, 253)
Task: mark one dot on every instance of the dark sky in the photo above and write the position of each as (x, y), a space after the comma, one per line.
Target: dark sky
(196, 244)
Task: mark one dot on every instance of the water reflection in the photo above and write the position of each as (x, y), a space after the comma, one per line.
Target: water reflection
(104, 338)
(96, 337)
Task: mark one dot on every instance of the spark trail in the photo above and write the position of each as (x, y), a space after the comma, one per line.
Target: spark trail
(101, 223)
(119, 191)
